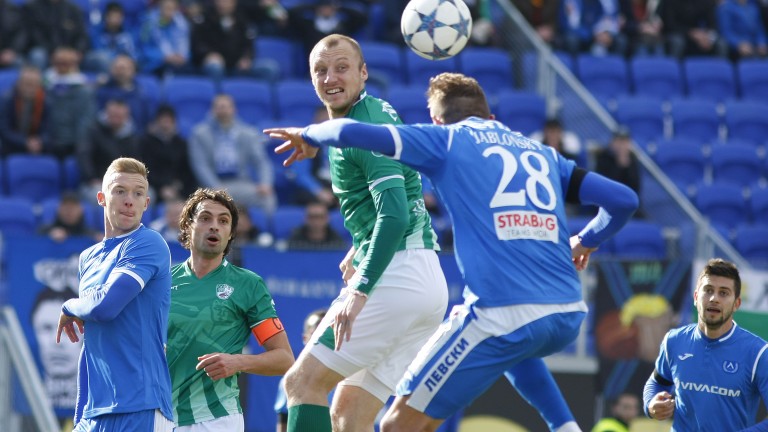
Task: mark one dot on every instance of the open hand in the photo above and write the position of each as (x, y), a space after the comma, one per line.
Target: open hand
(293, 141)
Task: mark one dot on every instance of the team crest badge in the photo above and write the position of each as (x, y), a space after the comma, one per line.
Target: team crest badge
(223, 291)
(730, 366)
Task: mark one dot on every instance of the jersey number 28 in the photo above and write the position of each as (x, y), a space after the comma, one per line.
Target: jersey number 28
(535, 176)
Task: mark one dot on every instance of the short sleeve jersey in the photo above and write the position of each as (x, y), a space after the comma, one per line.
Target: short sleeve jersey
(357, 175)
(718, 382)
(505, 196)
(124, 358)
(211, 314)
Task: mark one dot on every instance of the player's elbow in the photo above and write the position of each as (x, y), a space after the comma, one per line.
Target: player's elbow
(103, 314)
(627, 202)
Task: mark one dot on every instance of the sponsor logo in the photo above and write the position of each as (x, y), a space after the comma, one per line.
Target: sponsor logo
(730, 366)
(223, 291)
(516, 225)
(704, 388)
(685, 356)
(450, 359)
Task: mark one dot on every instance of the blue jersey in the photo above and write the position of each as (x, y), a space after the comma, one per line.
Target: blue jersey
(124, 358)
(505, 197)
(717, 382)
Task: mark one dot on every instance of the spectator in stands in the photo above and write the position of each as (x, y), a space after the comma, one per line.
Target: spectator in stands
(13, 35)
(269, 16)
(165, 154)
(566, 143)
(72, 102)
(122, 84)
(164, 40)
(53, 24)
(112, 135)
(590, 25)
(624, 409)
(226, 153)
(24, 114)
(317, 20)
(742, 28)
(642, 27)
(248, 234)
(618, 162)
(541, 15)
(168, 222)
(110, 39)
(483, 29)
(316, 233)
(70, 221)
(690, 28)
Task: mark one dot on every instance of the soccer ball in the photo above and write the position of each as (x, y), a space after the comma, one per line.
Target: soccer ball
(436, 29)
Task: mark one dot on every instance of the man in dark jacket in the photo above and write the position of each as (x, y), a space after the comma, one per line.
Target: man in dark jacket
(24, 116)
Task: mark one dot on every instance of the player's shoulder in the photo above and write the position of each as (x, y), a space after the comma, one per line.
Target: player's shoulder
(379, 111)
(242, 273)
(746, 337)
(683, 333)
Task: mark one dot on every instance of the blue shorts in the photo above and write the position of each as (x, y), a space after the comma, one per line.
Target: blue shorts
(473, 348)
(142, 421)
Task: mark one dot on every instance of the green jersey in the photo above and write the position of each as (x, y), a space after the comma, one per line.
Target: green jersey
(357, 175)
(212, 314)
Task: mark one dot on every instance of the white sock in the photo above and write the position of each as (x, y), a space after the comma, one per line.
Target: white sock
(571, 426)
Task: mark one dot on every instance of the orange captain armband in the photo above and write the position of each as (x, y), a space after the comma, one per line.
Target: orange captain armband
(266, 329)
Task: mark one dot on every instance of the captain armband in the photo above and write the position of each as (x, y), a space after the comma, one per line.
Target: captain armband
(266, 329)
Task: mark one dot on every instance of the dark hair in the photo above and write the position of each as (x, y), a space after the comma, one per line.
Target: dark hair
(191, 207)
(165, 110)
(723, 268)
(49, 294)
(114, 7)
(452, 97)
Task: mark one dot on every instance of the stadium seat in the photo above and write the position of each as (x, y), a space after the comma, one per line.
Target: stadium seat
(710, 78)
(33, 177)
(49, 207)
(253, 99)
(71, 173)
(8, 79)
(753, 79)
(419, 70)
(384, 62)
(747, 120)
(17, 216)
(723, 203)
(640, 240)
(491, 67)
(736, 163)
(285, 219)
(521, 111)
(152, 89)
(259, 218)
(606, 77)
(530, 69)
(643, 116)
(191, 97)
(695, 119)
(751, 242)
(410, 103)
(683, 162)
(658, 77)
(758, 205)
(336, 221)
(296, 102)
(283, 51)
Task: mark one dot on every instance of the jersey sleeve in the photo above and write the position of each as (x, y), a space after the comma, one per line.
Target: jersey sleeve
(380, 171)
(422, 147)
(760, 371)
(261, 306)
(663, 368)
(144, 257)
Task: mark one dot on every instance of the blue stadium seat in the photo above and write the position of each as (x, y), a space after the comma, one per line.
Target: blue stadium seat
(259, 218)
(71, 173)
(285, 219)
(285, 52)
(336, 221)
(747, 120)
(296, 102)
(8, 79)
(419, 70)
(723, 203)
(17, 216)
(753, 79)
(491, 67)
(530, 69)
(606, 77)
(710, 78)
(152, 89)
(656, 77)
(191, 97)
(640, 240)
(384, 62)
(33, 177)
(683, 162)
(253, 99)
(758, 205)
(410, 103)
(695, 119)
(735, 163)
(643, 116)
(521, 111)
(751, 242)
(48, 212)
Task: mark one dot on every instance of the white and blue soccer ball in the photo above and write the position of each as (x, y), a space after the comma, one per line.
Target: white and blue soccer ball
(436, 29)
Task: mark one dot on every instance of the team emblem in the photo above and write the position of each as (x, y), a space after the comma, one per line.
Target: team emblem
(223, 291)
(730, 366)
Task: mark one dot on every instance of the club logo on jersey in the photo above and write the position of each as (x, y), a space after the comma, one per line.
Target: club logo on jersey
(387, 108)
(530, 225)
(685, 356)
(730, 366)
(223, 291)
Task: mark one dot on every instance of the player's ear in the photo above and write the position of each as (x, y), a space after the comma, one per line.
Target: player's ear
(101, 199)
(437, 120)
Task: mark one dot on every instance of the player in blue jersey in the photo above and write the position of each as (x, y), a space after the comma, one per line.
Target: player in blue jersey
(124, 299)
(710, 375)
(505, 195)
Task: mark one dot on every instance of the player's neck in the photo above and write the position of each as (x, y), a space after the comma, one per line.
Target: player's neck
(202, 265)
(715, 332)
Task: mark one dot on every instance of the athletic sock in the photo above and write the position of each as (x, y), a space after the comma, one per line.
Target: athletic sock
(309, 418)
(571, 426)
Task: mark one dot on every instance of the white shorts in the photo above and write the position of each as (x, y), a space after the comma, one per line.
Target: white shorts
(400, 315)
(230, 423)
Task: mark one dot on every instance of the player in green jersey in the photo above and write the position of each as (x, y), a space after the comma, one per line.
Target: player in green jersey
(215, 306)
(395, 294)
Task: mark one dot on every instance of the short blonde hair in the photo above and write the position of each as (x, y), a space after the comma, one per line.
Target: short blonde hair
(452, 97)
(125, 165)
(333, 40)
